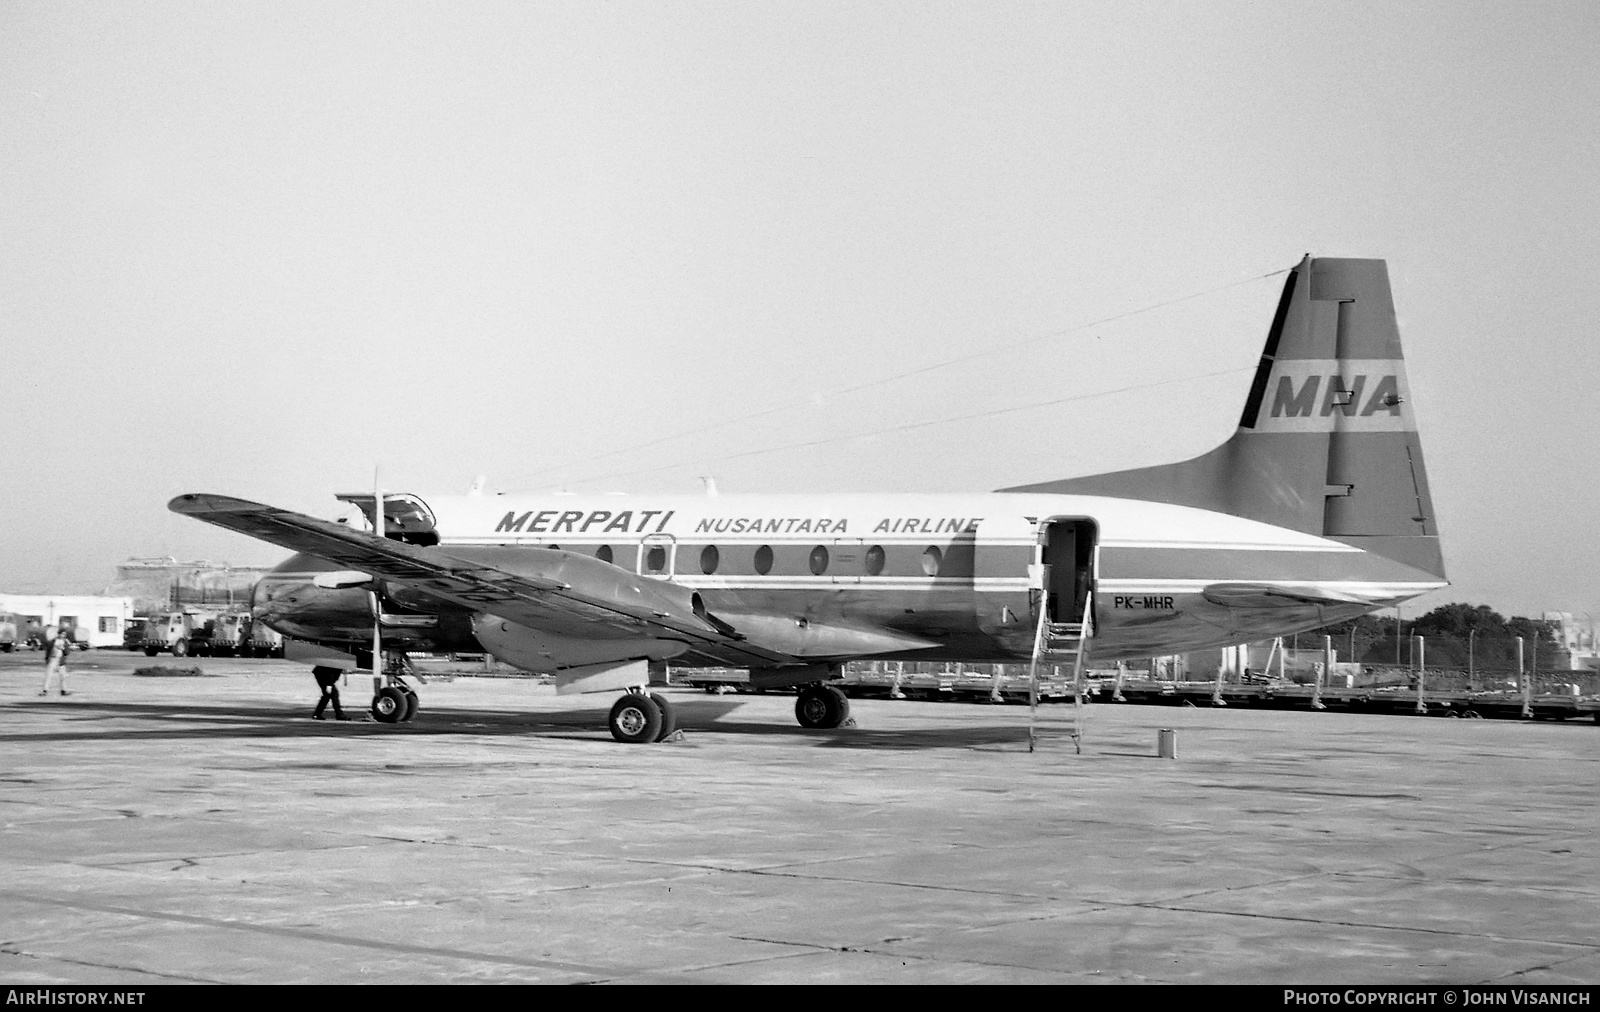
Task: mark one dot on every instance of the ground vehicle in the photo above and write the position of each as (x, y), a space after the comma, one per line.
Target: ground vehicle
(264, 641)
(231, 634)
(133, 634)
(181, 632)
(8, 633)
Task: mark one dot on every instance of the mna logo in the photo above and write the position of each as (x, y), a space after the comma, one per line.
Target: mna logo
(1328, 395)
(1339, 395)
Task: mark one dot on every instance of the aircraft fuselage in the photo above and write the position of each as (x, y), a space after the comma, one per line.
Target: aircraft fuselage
(958, 576)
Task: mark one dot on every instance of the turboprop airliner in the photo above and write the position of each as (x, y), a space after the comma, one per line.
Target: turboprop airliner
(1315, 511)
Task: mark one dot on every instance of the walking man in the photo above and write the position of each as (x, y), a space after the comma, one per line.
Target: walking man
(328, 680)
(55, 661)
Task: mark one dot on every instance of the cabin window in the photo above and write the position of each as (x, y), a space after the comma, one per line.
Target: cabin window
(763, 560)
(655, 560)
(874, 560)
(709, 557)
(931, 559)
(603, 553)
(819, 560)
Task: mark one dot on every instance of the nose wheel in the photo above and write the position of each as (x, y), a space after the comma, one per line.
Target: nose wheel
(394, 701)
(394, 704)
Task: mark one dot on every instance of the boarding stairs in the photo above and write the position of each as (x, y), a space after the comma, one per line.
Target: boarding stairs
(1060, 645)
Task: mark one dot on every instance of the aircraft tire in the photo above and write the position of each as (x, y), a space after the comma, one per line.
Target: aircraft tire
(635, 719)
(389, 705)
(821, 707)
(180, 648)
(412, 703)
(669, 716)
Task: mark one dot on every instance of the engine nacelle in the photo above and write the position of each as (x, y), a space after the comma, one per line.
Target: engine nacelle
(546, 653)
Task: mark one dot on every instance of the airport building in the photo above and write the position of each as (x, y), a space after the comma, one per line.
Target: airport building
(1577, 636)
(99, 621)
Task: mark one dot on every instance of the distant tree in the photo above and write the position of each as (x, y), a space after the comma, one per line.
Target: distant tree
(1373, 637)
(1460, 620)
(1528, 628)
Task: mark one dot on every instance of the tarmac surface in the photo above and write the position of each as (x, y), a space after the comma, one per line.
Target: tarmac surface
(169, 829)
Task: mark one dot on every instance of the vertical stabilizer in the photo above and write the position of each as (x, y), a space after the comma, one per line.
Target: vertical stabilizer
(1327, 443)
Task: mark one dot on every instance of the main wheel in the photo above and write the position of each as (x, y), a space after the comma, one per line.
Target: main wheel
(635, 719)
(389, 705)
(412, 702)
(821, 706)
(180, 648)
(669, 716)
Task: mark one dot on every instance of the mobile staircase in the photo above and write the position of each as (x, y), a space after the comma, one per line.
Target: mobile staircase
(1060, 645)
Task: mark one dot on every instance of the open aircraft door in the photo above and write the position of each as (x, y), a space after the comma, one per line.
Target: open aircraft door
(1064, 573)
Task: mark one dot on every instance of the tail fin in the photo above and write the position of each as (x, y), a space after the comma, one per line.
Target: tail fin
(1328, 441)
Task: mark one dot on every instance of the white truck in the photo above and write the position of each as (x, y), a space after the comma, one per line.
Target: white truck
(181, 632)
(264, 642)
(230, 635)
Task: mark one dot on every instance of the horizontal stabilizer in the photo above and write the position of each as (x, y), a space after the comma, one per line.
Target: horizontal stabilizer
(1264, 595)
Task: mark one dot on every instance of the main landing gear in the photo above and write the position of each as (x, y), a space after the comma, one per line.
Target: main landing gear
(393, 700)
(821, 706)
(641, 717)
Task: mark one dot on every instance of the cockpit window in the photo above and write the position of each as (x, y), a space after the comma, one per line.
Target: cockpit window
(406, 517)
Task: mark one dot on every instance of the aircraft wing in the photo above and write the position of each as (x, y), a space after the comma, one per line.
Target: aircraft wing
(556, 591)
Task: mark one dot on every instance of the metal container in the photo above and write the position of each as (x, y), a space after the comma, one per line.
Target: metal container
(1167, 743)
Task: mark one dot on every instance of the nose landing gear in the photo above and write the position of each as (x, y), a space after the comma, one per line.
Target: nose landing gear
(393, 700)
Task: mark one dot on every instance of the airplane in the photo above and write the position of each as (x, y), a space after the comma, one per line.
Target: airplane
(1316, 510)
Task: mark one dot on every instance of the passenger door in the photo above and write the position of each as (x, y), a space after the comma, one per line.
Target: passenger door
(1067, 549)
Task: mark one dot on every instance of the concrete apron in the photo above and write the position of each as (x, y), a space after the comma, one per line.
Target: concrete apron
(205, 829)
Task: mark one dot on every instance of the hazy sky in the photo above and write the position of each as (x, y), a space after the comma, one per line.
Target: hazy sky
(256, 248)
